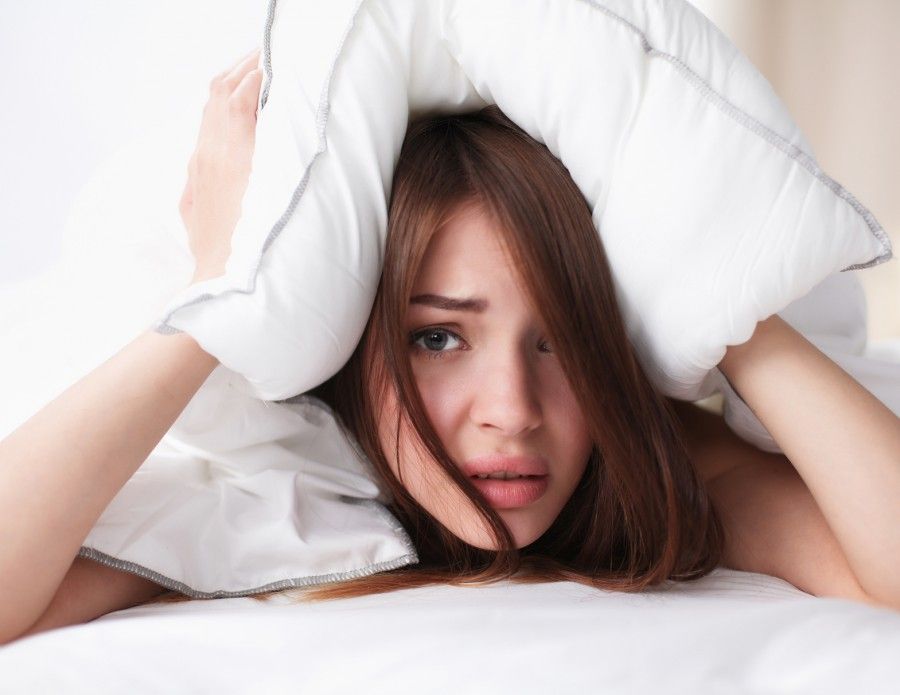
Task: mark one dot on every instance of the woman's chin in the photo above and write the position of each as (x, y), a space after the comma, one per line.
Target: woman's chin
(484, 539)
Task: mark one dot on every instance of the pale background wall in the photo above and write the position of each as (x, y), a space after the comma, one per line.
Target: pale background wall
(836, 65)
(81, 79)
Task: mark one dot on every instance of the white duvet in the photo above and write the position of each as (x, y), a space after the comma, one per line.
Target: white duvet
(730, 632)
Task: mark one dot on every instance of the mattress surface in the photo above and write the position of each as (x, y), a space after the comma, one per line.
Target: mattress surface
(729, 632)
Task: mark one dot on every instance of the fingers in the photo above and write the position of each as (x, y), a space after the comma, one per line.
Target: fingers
(246, 94)
(243, 66)
(228, 80)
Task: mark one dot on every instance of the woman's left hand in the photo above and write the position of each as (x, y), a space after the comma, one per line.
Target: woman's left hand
(219, 168)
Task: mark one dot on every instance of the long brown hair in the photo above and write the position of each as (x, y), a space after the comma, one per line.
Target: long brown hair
(639, 515)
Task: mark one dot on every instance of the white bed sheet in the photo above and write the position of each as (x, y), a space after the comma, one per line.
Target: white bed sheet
(730, 632)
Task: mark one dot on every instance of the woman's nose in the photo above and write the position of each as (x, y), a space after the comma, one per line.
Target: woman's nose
(505, 397)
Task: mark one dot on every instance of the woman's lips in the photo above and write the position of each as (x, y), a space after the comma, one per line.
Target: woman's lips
(522, 464)
(509, 494)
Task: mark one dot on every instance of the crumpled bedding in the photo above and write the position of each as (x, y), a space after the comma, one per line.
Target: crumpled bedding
(243, 496)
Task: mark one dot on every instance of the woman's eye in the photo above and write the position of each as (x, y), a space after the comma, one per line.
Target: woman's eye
(433, 341)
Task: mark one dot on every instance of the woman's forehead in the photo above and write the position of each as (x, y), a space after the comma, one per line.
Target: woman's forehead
(467, 251)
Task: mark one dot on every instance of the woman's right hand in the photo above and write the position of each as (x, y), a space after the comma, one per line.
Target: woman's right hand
(219, 168)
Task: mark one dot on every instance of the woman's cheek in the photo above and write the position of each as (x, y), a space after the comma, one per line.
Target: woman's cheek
(577, 437)
(412, 457)
(443, 393)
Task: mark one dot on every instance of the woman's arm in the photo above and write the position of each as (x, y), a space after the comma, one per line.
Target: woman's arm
(843, 442)
(61, 468)
(772, 523)
(89, 590)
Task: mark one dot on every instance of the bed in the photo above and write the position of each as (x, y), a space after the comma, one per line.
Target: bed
(729, 632)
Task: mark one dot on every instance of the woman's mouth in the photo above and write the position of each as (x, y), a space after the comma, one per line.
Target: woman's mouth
(516, 491)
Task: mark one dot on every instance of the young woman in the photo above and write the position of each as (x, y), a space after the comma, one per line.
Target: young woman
(495, 345)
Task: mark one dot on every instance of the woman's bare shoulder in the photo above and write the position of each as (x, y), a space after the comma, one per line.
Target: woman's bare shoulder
(772, 523)
(713, 447)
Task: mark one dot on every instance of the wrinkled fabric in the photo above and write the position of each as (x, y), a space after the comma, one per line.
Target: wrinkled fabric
(242, 496)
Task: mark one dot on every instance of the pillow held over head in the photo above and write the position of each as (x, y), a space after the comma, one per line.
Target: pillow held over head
(710, 204)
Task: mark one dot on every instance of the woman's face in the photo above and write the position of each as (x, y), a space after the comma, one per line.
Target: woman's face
(491, 385)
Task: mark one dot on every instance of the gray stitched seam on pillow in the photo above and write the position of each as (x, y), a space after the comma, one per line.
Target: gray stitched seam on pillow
(322, 110)
(267, 55)
(715, 98)
(410, 558)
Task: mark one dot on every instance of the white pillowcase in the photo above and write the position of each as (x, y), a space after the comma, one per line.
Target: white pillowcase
(243, 496)
(712, 209)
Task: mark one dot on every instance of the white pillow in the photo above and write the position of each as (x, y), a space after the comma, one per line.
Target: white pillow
(712, 209)
(240, 496)
(243, 496)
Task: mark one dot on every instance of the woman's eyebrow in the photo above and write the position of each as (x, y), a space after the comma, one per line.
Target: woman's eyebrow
(438, 301)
